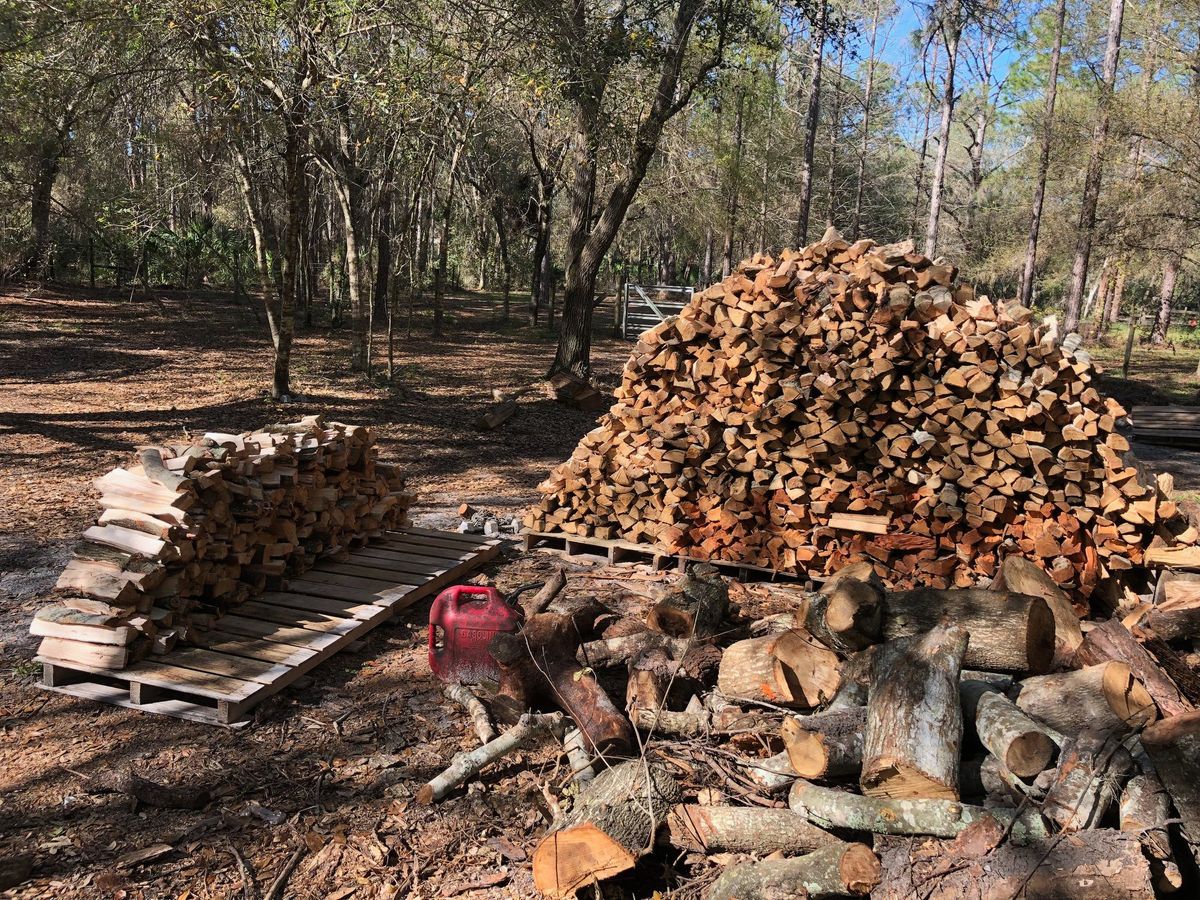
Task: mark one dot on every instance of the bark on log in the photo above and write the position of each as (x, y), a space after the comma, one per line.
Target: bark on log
(610, 826)
(1105, 697)
(541, 601)
(1009, 632)
(153, 468)
(775, 773)
(475, 709)
(726, 719)
(839, 871)
(1145, 808)
(913, 738)
(1173, 745)
(743, 829)
(650, 674)
(1112, 641)
(789, 669)
(826, 745)
(1091, 770)
(696, 606)
(578, 756)
(1023, 576)
(848, 616)
(1092, 865)
(468, 764)
(828, 808)
(617, 651)
(856, 680)
(1022, 745)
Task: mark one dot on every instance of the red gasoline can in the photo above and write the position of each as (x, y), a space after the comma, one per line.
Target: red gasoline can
(462, 622)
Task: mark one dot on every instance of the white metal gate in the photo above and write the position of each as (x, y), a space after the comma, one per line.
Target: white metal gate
(643, 306)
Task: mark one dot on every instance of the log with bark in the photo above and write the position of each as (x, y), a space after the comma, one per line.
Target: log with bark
(1144, 811)
(842, 870)
(1103, 864)
(1009, 632)
(826, 745)
(790, 669)
(611, 824)
(1112, 641)
(1091, 769)
(1173, 745)
(538, 669)
(695, 607)
(846, 615)
(1104, 697)
(1023, 746)
(913, 738)
(743, 829)
(834, 809)
(1022, 576)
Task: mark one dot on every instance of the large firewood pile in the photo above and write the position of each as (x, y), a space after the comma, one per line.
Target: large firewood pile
(848, 401)
(854, 741)
(195, 529)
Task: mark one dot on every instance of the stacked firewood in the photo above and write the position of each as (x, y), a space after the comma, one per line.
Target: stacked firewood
(926, 742)
(194, 529)
(848, 401)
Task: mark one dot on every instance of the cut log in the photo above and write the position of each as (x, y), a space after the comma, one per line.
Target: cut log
(775, 773)
(103, 656)
(617, 651)
(743, 829)
(468, 764)
(789, 669)
(148, 792)
(695, 607)
(1023, 576)
(849, 616)
(98, 581)
(1105, 697)
(609, 827)
(1009, 632)
(1174, 747)
(61, 622)
(1022, 745)
(650, 674)
(913, 735)
(1112, 641)
(153, 468)
(844, 870)
(1091, 865)
(828, 808)
(497, 415)
(1145, 809)
(538, 668)
(1091, 769)
(826, 745)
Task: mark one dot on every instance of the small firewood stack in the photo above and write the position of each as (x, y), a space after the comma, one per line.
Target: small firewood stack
(195, 529)
(848, 401)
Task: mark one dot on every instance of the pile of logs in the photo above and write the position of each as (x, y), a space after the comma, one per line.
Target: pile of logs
(194, 529)
(926, 742)
(848, 401)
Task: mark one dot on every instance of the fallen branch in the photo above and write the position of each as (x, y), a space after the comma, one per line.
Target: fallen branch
(468, 764)
(476, 711)
(743, 829)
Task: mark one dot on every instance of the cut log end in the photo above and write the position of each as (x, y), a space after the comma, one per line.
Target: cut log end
(1040, 638)
(1029, 754)
(860, 869)
(569, 859)
(1127, 696)
(896, 780)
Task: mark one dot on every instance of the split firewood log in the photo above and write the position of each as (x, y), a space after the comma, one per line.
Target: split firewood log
(695, 607)
(1103, 864)
(1023, 746)
(1112, 641)
(828, 808)
(1091, 769)
(1145, 808)
(826, 745)
(1104, 697)
(843, 870)
(1009, 632)
(468, 764)
(1022, 576)
(913, 738)
(743, 829)
(789, 669)
(1173, 745)
(610, 826)
(538, 669)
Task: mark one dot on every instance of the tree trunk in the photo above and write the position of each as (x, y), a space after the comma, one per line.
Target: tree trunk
(975, 151)
(349, 203)
(812, 122)
(1095, 169)
(913, 737)
(47, 169)
(383, 243)
(951, 27)
(447, 212)
(1166, 295)
(735, 175)
(919, 178)
(835, 135)
(1025, 293)
(860, 180)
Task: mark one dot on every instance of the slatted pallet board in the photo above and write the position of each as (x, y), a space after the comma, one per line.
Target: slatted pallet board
(616, 551)
(267, 643)
(1175, 425)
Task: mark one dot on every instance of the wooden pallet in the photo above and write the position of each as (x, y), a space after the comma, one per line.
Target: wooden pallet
(614, 552)
(1175, 425)
(268, 643)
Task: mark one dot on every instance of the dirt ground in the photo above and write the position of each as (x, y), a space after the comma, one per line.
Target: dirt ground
(327, 771)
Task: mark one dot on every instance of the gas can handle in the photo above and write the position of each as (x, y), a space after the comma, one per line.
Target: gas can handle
(466, 593)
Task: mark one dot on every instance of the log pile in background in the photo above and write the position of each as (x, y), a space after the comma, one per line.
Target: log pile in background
(195, 529)
(848, 401)
(848, 743)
